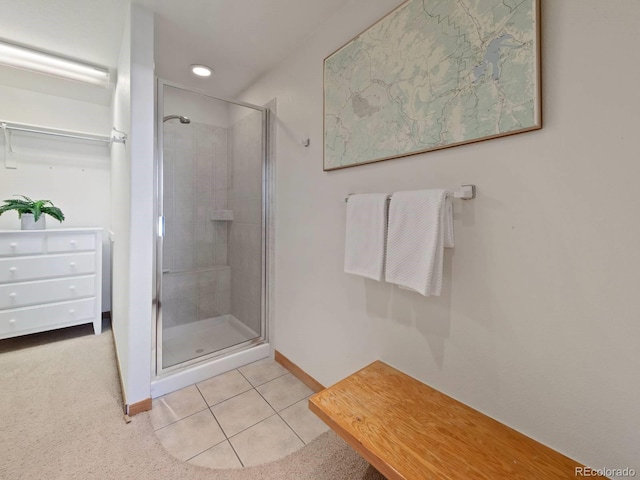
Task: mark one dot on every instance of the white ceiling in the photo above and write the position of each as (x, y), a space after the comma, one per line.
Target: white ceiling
(89, 30)
(240, 39)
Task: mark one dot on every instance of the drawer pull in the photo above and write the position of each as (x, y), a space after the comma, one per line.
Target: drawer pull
(72, 242)
(12, 321)
(72, 287)
(72, 264)
(12, 295)
(12, 269)
(13, 245)
(72, 311)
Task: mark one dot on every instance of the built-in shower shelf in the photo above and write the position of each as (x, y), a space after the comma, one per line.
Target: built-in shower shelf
(222, 215)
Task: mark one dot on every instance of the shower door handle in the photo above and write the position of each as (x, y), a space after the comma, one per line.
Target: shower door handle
(161, 226)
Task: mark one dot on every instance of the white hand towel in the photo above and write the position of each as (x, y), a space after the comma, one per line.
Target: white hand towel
(366, 231)
(420, 226)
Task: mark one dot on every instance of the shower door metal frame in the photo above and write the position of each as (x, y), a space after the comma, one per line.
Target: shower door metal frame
(158, 370)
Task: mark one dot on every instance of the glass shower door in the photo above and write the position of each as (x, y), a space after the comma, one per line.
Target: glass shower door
(211, 251)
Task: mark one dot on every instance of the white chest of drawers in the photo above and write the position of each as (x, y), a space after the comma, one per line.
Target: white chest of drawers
(50, 279)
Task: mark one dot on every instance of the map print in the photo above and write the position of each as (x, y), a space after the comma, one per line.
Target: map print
(432, 74)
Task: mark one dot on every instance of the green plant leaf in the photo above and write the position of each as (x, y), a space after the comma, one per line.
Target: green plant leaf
(36, 207)
(54, 212)
(26, 198)
(37, 210)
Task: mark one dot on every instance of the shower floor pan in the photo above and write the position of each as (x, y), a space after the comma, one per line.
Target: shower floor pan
(182, 343)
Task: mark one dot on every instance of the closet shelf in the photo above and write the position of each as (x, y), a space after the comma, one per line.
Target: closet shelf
(115, 137)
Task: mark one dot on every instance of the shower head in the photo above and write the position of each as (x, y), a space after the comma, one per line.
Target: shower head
(182, 119)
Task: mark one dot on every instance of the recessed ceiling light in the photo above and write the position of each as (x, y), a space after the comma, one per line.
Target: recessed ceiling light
(201, 70)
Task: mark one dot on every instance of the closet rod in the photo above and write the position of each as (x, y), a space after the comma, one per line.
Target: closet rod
(56, 133)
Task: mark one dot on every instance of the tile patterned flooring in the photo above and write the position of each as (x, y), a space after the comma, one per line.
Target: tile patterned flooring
(248, 416)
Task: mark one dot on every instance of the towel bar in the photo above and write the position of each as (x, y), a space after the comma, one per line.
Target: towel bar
(464, 192)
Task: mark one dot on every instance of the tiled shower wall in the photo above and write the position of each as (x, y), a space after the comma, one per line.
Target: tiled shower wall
(197, 277)
(245, 234)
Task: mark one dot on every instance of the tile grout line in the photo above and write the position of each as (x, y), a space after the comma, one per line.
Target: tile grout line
(180, 419)
(216, 420)
(226, 438)
(247, 428)
(243, 376)
(222, 401)
(213, 415)
(253, 425)
(201, 395)
(263, 383)
(234, 396)
(278, 414)
(205, 450)
(234, 451)
(290, 405)
(294, 430)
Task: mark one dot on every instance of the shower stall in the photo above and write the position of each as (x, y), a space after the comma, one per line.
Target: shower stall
(210, 300)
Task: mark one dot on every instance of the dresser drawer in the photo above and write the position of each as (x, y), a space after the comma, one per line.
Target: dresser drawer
(14, 244)
(69, 242)
(20, 269)
(19, 320)
(44, 291)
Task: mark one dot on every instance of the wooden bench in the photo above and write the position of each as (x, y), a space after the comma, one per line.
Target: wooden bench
(407, 430)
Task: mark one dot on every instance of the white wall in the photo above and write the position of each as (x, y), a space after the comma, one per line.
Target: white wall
(198, 108)
(132, 206)
(120, 201)
(538, 323)
(73, 175)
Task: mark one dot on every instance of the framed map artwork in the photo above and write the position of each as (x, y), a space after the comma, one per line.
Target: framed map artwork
(433, 74)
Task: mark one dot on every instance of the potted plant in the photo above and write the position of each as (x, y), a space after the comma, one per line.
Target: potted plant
(32, 212)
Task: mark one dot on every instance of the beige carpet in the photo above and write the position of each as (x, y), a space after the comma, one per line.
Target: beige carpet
(61, 418)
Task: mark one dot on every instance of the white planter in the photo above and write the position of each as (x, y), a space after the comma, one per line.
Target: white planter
(27, 222)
